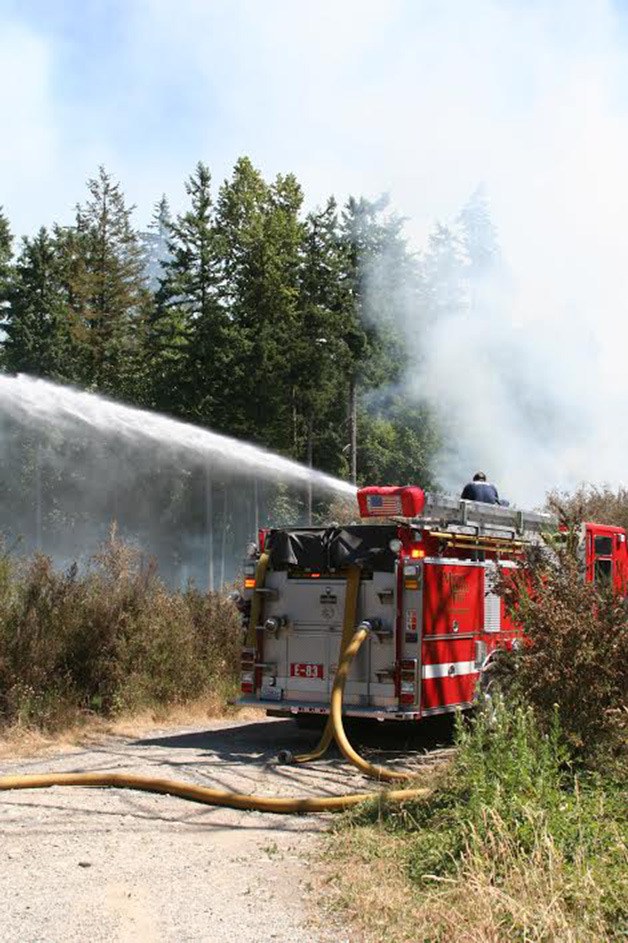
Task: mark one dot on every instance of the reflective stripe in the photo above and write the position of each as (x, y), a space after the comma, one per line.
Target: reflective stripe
(445, 670)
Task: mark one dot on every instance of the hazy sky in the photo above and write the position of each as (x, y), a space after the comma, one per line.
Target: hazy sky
(421, 98)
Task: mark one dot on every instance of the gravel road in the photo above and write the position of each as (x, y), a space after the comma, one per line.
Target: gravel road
(115, 865)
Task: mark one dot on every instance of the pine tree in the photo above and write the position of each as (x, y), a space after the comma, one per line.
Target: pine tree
(190, 327)
(376, 265)
(444, 277)
(6, 241)
(478, 235)
(261, 237)
(108, 288)
(37, 323)
(155, 243)
(317, 347)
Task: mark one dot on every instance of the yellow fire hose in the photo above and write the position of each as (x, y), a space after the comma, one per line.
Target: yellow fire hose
(235, 800)
(348, 628)
(375, 772)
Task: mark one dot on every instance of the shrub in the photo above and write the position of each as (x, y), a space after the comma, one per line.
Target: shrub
(108, 639)
(591, 503)
(573, 660)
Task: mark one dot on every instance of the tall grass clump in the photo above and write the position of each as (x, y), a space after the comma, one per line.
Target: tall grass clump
(525, 835)
(513, 845)
(109, 639)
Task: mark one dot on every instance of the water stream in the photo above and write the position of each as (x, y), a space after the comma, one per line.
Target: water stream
(73, 462)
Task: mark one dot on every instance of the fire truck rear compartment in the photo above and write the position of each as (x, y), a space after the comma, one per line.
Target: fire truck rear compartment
(300, 657)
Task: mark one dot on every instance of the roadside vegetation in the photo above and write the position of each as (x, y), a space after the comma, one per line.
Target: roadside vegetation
(525, 836)
(106, 641)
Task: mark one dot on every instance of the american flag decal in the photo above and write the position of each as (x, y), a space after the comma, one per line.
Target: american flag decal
(384, 505)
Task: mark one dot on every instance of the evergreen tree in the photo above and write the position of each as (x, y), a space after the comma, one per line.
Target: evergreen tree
(190, 328)
(317, 347)
(108, 288)
(155, 243)
(376, 265)
(478, 235)
(37, 323)
(443, 269)
(246, 316)
(261, 237)
(6, 241)
(399, 439)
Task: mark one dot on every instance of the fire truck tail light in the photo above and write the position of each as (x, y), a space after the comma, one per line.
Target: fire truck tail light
(417, 553)
(407, 681)
(247, 676)
(395, 545)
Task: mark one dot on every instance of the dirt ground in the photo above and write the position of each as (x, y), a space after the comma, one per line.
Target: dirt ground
(115, 865)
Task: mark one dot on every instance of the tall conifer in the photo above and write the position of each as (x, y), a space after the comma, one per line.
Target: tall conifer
(190, 324)
(37, 338)
(109, 287)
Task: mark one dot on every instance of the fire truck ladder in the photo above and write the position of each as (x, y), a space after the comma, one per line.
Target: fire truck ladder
(475, 524)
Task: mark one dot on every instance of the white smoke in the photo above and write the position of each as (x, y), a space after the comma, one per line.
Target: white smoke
(528, 374)
(528, 380)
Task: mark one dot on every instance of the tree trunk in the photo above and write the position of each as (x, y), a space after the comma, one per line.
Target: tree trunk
(223, 542)
(353, 430)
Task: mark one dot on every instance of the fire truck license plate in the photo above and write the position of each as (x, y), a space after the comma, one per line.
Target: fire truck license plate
(301, 669)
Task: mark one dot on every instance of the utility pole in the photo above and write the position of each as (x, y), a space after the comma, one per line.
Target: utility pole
(353, 430)
(256, 500)
(310, 459)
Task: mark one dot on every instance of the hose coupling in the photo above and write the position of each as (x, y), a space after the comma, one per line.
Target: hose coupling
(369, 625)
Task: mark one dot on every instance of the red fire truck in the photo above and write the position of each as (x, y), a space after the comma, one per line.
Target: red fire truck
(428, 570)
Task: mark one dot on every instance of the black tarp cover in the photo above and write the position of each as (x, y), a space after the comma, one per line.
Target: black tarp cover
(331, 548)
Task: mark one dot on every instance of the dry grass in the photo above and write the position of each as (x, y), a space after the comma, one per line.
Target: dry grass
(534, 900)
(22, 741)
